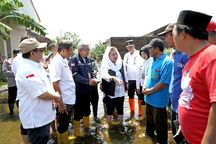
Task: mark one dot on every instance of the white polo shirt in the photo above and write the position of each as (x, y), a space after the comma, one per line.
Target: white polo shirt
(133, 63)
(60, 71)
(31, 82)
(17, 61)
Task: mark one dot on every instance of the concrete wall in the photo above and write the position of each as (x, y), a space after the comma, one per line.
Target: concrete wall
(18, 31)
(30, 9)
(3, 49)
(15, 36)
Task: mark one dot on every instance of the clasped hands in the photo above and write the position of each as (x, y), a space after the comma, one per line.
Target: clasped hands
(147, 91)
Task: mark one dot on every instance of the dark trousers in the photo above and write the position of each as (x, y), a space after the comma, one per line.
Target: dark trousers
(12, 94)
(174, 120)
(115, 103)
(39, 135)
(132, 90)
(179, 139)
(94, 100)
(82, 107)
(157, 120)
(64, 119)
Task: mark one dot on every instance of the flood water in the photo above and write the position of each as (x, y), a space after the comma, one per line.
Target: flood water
(131, 132)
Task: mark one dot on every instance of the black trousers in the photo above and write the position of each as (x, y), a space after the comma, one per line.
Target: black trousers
(157, 120)
(39, 135)
(179, 139)
(94, 100)
(64, 119)
(132, 90)
(12, 94)
(117, 103)
(82, 106)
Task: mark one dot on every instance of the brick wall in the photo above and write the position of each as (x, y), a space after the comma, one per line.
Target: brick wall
(119, 42)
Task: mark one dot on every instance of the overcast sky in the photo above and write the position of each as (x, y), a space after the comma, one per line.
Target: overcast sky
(97, 20)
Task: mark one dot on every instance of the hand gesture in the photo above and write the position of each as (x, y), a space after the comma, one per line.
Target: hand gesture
(117, 81)
(62, 108)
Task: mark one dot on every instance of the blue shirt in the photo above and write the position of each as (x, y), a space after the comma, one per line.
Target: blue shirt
(180, 59)
(160, 70)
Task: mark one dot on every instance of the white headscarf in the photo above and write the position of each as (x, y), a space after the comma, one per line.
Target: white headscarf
(108, 64)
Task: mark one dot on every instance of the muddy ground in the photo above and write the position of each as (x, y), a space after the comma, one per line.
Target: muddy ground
(131, 133)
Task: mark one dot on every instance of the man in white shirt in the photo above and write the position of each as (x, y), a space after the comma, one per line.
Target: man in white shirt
(133, 62)
(63, 83)
(17, 61)
(35, 93)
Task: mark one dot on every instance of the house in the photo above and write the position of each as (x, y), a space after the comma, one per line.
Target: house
(119, 42)
(6, 47)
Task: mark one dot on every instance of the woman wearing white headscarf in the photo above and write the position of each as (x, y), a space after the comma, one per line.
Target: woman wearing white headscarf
(113, 83)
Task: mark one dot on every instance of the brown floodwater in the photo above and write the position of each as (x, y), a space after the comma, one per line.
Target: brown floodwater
(130, 133)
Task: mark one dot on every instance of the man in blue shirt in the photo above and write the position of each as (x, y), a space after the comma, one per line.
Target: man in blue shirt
(180, 60)
(156, 89)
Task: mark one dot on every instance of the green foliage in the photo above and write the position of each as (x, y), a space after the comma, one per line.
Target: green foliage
(70, 36)
(2, 76)
(98, 51)
(9, 11)
(168, 51)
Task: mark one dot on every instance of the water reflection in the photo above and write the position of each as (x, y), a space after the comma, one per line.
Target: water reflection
(131, 132)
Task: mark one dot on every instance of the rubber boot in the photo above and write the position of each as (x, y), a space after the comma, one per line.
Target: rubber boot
(86, 125)
(77, 131)
(86, 122)
(140, 112)
(63, 138)
(131, 104)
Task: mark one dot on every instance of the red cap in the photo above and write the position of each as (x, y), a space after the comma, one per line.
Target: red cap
(211, 26)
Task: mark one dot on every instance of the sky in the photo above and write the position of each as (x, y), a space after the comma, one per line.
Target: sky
(98, 20)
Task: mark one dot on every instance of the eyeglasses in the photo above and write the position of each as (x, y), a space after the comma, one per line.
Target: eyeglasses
(40, 50)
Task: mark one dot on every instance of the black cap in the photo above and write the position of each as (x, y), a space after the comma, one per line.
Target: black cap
(145, 47)
(157, 43)
(129, 43)
(194, 19)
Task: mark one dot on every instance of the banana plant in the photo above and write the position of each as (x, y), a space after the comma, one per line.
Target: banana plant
(9, 10)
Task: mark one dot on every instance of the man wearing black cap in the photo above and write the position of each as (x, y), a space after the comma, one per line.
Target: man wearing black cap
(180, 59)
(133, 62)
(156, 89)
(197, 103)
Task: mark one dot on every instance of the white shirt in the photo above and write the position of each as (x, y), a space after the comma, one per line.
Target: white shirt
(31, 82)
(60, 71)
(133, 63)
(119, 89)
(143, 69)
(17, 61)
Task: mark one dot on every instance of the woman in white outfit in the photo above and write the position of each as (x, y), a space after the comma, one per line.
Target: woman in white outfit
(144, 53)
(113, 83)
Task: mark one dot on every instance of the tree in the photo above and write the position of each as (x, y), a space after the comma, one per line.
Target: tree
(98, 51)
(9, 11)
(70, 36)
